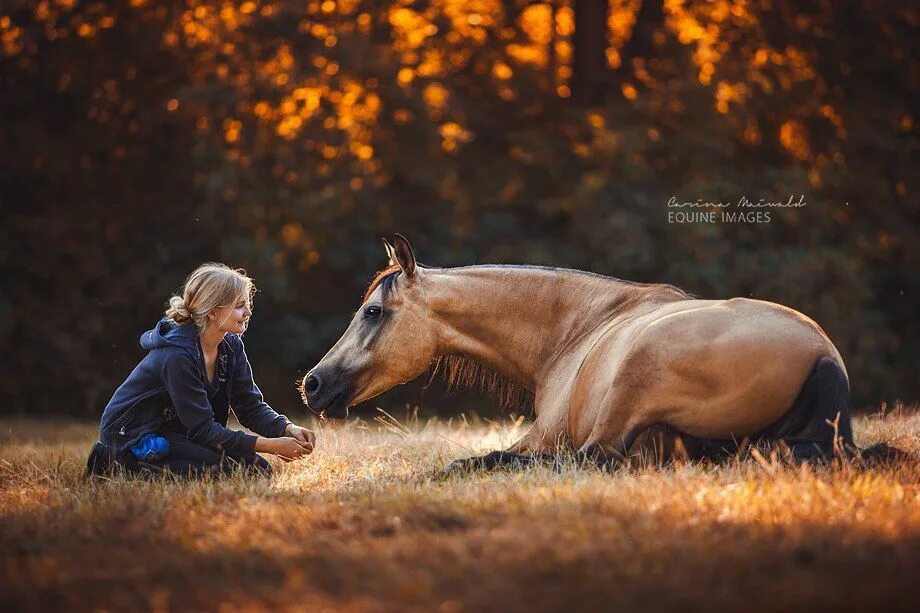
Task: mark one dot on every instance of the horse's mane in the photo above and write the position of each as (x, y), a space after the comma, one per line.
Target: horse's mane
(661, 291)
(460, 371)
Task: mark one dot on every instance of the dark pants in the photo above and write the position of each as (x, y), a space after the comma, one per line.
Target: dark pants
(189, 458)
(185, 458)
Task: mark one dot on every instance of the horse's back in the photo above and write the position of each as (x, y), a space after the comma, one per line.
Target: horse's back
(718, 368)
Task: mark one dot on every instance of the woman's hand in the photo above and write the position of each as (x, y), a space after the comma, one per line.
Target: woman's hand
(285, 447)
(306, 437)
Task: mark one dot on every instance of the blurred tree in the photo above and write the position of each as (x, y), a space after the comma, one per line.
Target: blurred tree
(142, 138)
(645, 38)
(589, 41)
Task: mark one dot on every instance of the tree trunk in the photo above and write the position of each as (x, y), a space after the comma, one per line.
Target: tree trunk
(641, 43)
(589, 66)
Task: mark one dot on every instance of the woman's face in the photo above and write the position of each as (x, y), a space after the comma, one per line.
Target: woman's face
(233, 318)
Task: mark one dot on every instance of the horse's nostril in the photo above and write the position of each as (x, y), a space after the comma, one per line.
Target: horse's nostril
(311, 384)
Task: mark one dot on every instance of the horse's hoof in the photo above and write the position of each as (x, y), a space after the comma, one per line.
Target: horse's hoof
(457, 467)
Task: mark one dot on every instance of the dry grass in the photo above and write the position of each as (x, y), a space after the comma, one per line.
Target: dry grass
(367, 523)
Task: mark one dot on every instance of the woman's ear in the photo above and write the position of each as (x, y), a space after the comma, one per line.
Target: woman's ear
(404, 256)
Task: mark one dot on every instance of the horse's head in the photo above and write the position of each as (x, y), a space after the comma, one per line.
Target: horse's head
(390, 340)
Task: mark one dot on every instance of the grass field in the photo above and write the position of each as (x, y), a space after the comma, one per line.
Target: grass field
(368, 523)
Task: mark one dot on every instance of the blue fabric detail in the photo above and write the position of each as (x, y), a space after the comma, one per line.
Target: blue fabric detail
(151, 448)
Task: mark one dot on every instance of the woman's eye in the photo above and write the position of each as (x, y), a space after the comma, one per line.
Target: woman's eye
(372, 312)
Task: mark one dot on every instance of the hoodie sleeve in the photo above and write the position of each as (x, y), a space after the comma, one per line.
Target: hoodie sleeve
(186, 390)
(248, 404)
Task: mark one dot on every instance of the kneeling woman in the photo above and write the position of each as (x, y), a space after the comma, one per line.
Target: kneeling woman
(171, 413)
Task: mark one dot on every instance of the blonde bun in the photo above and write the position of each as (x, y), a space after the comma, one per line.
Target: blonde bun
(177, 311)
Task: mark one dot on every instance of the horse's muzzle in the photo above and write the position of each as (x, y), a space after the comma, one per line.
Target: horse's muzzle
(325, 398)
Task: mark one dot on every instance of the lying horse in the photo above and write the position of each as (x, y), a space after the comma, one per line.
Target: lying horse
(604, 359)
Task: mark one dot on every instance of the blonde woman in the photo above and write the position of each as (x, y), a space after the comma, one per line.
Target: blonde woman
(171, 413)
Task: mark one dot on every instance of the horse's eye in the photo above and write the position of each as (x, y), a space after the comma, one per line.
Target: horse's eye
(372, 312)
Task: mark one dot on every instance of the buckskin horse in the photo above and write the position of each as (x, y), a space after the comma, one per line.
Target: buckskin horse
(605, 360)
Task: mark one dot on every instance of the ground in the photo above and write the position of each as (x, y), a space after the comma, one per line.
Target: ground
(369, 523)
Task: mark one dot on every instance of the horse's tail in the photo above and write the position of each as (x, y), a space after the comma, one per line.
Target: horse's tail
(821, 411)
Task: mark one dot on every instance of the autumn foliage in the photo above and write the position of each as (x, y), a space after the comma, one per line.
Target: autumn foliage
(141, 138)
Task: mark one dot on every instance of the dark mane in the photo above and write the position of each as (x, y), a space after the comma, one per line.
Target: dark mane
(459, 371)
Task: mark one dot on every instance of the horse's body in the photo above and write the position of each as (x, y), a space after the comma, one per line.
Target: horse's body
(605, 359)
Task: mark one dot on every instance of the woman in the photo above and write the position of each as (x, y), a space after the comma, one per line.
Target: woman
(171, 413)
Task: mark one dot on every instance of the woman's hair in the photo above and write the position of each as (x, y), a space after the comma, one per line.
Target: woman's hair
(208, 287)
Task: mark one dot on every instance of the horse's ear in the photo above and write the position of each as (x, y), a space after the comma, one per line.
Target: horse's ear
(404, 256)
(391, 254)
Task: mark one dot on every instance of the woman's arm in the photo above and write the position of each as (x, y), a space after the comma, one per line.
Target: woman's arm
(285, 447)
(304, 436)
(186, 390)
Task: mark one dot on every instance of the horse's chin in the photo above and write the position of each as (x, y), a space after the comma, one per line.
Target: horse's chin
(343, 400)
(341, 404)
(335, 413)
(337, 409)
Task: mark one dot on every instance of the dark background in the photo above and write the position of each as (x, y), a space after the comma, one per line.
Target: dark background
(140, 138)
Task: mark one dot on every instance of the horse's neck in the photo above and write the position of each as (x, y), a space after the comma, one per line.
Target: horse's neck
(517, 320)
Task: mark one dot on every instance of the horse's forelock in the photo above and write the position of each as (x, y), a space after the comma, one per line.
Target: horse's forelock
(386, 277)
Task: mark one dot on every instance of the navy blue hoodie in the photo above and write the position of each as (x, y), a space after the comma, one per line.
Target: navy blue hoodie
(170, 382)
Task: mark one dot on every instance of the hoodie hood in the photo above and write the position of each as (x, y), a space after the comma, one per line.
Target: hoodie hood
(167, 333)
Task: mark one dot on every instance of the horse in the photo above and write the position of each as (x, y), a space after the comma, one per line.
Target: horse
(603, 360)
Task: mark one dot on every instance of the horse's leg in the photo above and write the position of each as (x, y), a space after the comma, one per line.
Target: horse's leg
(662, 445)
(539, 444)
(495, 460)
(539, 439)
(613, 434)
(622, 416)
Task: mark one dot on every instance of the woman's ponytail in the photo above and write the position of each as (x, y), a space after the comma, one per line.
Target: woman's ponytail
(177, 311)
